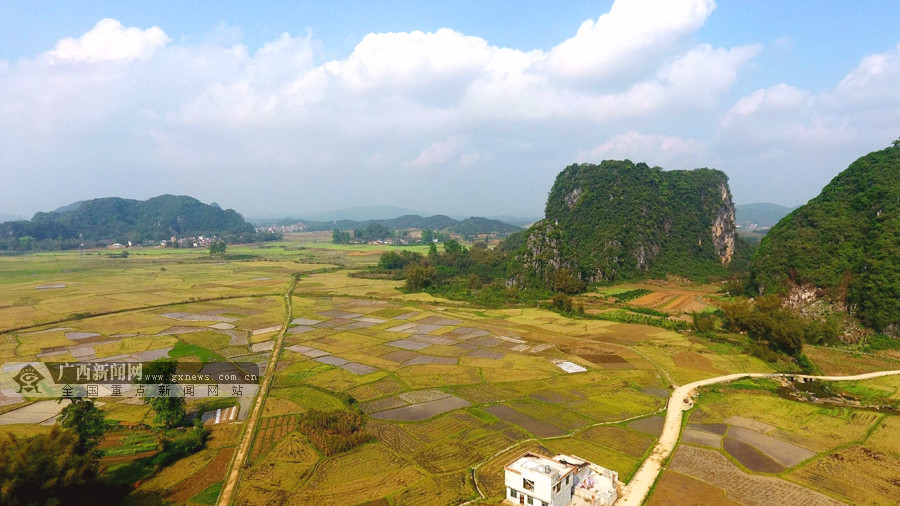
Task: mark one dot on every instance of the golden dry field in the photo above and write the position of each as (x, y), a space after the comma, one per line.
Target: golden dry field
(450, 391)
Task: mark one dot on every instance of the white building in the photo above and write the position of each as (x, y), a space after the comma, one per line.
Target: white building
(536, 480)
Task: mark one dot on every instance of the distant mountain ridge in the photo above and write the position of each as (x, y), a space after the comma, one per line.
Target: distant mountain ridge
(469, 226)
(9, 217)
(365, 213)
(114, 219)
(760, 214)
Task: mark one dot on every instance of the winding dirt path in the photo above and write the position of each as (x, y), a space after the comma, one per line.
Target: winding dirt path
(637, 489)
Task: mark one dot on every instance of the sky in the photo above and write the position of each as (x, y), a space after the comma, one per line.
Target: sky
(460, 108)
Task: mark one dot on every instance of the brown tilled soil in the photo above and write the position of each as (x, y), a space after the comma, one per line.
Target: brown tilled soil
(211, 473)
(652, 425)
(676, 489)
(750, 458)
(714, 468)
(714, 428)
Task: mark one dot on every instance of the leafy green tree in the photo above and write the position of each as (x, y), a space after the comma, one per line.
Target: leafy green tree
(392, 260)
(428, 236)
(702, 322)
(48, 469)
(565, 282)
(170, 409)
(217, 249)
(452, 247)
(340, 237)
(85, 419)
(562, 302)
(419, 277)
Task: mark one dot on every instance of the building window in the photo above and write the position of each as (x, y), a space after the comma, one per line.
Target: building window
(530, 500)
(544, 504)
(556, 487)
(567, 480)
(527, 484)
(512, 493)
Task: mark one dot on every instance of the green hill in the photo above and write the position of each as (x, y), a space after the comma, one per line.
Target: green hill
(621, 220)
(113, 219)
(476, 226)
(845, 242)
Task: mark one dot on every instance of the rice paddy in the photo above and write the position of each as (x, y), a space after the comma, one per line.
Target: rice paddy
(445, 386)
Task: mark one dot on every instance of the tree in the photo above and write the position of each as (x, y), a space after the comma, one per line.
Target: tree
(562, 302)
(217, 249)
(453, 247)
(702, 322)
(565, 282)
(48, 469)
(419, 277)
(170, 410)
(85, 419)
(340, 237)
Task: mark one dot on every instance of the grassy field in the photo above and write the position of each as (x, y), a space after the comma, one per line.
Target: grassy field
(361, 343)
(821, 454)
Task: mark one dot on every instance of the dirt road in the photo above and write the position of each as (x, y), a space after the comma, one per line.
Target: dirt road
(226, 496)
(637, 489)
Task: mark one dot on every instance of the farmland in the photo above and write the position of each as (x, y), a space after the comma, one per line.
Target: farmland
(767, 448)
(451, 391)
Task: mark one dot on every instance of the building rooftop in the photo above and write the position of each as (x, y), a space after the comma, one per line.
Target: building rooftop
(532, 463)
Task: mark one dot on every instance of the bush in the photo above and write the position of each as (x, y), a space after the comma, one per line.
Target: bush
(335, 431)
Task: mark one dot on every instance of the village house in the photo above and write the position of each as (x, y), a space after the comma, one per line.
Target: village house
(563, 480)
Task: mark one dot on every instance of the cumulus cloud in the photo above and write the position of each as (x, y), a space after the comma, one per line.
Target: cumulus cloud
(669, 151)
(110, 41)
(440, 121)
(628, 39)
(788, 141)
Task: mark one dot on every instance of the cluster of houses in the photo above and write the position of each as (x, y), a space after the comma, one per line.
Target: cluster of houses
(189, 242)
(563, 480)
(282, 229)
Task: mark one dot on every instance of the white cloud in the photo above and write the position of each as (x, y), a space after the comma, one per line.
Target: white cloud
(633, 35)
(783, 140)
(438, 153)
(669, 151)
(110, 41)
(406, 112)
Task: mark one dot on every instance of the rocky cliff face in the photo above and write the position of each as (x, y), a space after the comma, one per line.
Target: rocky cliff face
(620, 220)
(724, 230)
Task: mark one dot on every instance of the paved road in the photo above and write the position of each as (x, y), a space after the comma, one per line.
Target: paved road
(637, 489)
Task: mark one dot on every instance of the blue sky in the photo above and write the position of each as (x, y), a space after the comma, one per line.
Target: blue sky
(211, 99)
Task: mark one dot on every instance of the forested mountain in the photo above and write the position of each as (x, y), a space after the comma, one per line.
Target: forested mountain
(114, 219)
(621, 220)
(477, 226)
(845, 243)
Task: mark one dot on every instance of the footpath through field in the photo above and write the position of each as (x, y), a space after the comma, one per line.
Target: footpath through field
(637, 489)
(226, 496)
